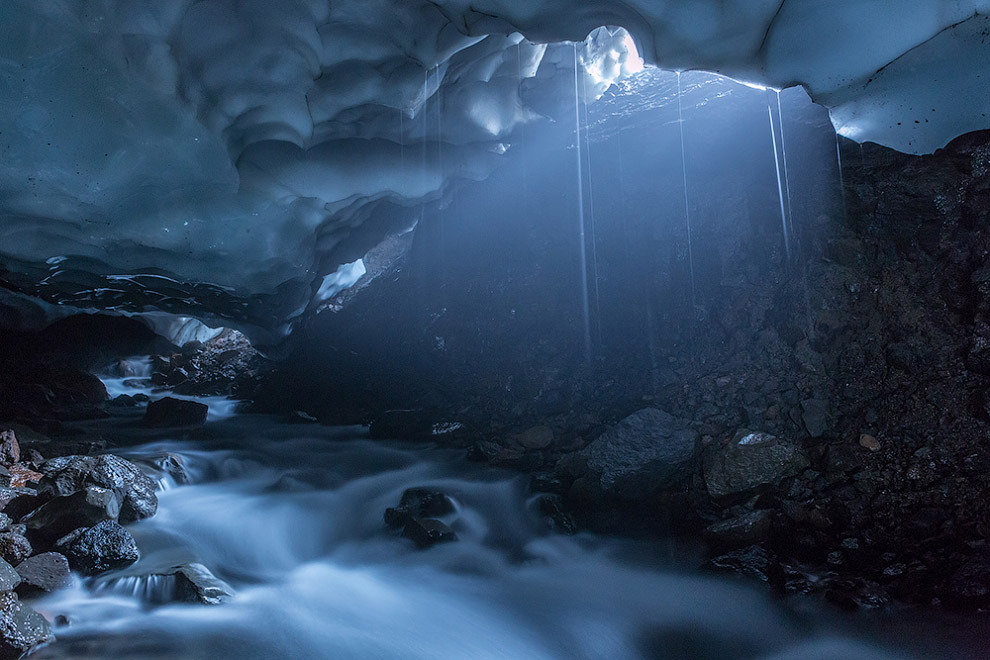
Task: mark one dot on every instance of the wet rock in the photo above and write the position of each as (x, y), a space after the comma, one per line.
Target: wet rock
(22, 630)
(536, 437)
(42, 574)
(169, 412)
(745, 529)
(172, 465)
(9, 579)
(68, 474)
(551, 507)
(10, 450)
(61, 515)
(427, 532)
(194, 583)
(640, 455)
(100, 548)
(14, 548)
(753, 461)
(754, 561)
(418, 503)
(18, 502)
(815, 414)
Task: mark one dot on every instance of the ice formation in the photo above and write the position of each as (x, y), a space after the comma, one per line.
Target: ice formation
(220, 158)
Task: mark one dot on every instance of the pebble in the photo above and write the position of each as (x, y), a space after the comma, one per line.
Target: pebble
(868, 441)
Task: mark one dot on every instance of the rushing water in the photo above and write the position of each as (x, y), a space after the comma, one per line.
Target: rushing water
(291, 516)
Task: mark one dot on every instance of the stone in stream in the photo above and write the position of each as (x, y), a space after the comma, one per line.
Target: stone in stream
(100, 548)
(752, 461)
(427, 532)
(185, 583)
(22, 630)
(418, 503)
(42, 574)
(67, 474)
(168, 412)
(14, 548)
(61, 515)
(645, 452)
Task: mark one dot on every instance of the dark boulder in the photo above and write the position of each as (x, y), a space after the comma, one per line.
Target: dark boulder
(418, 503)
(744, 529)
(18, 502)
(642, 454)
(752, 461)
(42, 574)
(194, 583)
(100, 548)
(61, 515)
(10, 450)
(68, 474)
(9, 579)
(427, 532)
(22, 630)
(169, 412)
(14, 548)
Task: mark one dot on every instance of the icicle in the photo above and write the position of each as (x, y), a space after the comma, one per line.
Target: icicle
(687, 206)
(780, 183)
(580, 185)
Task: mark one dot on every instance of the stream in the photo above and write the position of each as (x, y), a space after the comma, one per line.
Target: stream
(290, 515)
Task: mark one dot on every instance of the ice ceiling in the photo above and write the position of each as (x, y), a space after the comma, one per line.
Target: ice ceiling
(220, 158)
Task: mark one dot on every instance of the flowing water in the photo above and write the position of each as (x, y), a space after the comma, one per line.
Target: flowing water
(290, 515)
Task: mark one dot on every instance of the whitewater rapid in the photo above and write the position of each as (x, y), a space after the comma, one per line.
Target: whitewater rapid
(290, 515)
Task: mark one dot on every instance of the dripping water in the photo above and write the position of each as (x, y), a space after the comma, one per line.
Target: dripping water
(787, 180)
(687, 206)
(585, 306)
(842, 180)
(780, 183)
(591, 217)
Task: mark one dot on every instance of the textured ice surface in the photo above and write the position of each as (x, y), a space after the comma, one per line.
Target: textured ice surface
(219, 158)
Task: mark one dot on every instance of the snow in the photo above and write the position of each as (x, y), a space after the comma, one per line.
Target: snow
(245, 144)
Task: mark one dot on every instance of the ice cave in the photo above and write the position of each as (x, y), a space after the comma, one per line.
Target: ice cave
(448, 330)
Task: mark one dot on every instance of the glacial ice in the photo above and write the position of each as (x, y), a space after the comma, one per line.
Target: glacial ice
(243, 150)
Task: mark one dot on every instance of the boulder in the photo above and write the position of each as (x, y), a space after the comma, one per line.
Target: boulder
(9, 579)
(427, 532)
(10, 450)
(14, 547)
(816, 417)
(194, 583)
(42, 574)
(22, 630)
(100, 548)
(642, 454)
(168, 412)
(536, 437)
(418, 503)
(755, 460)
(61, 515)
(18, 502)
(741, 530)
(68, 474)
(21, 475)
